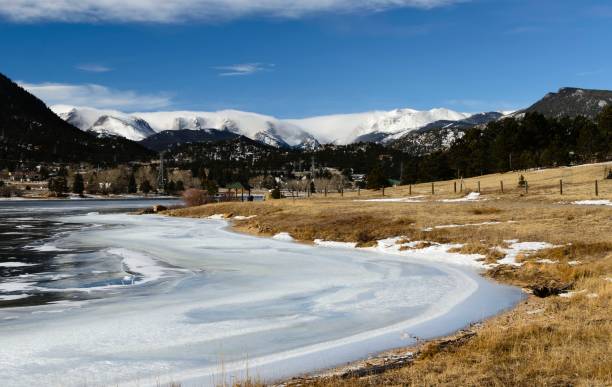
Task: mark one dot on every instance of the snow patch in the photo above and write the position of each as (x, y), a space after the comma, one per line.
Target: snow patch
(517, 247)
(602, 202)
(334, 244)
(410, 199)
(283, 236)
(471, 197)
(241, 217)
(546, 261)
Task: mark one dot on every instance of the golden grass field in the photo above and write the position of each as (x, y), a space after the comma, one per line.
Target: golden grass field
(552, 341)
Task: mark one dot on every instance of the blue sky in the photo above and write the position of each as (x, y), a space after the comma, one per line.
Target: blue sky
(303, 58)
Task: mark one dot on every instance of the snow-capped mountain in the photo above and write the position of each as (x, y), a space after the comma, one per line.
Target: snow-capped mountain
(346, 128)
(105, 122)
(305, 133)
(132, 128)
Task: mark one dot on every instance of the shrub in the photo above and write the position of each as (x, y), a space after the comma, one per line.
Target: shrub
(275, 193)
(196, 197)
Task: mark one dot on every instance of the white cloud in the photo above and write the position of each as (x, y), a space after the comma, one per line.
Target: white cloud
(476, 105)
(96, 96)
(243, 69)
(176, 11)
(93, 68)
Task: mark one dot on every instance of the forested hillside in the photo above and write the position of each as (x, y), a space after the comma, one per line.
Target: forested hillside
(29, 131)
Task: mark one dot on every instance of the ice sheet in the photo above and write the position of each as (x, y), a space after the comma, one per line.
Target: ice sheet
(211, 304)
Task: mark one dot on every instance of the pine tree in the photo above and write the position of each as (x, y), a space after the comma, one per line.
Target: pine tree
(132, 184)
(377, 179)
(78, 185)
(171, 186)
(58, 185)
(145, 186)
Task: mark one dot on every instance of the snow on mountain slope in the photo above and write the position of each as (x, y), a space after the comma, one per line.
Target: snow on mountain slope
(345, 128)
(267, 129)
(105, 122)
(131, 128)
(303, 133)
(83, 117)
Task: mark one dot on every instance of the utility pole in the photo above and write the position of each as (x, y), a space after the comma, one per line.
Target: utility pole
(161, 176)
(312, 173)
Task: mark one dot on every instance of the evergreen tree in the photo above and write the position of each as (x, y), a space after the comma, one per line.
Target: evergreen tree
(275, 193)
(210, 186)
(605, 129)
(92, 184)
(78, 185)
(58, 185)
(132, 184)
(171, 186)
(62, 172)
(145, 186)
(377, 179)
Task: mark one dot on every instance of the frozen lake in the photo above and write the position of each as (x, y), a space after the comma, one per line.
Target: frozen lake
(139, 300)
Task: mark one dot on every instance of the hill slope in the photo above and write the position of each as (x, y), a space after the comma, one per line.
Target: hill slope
(169, 139)
(572, 102)
(30, 131)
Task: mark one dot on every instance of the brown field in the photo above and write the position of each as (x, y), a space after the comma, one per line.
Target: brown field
(550, 340)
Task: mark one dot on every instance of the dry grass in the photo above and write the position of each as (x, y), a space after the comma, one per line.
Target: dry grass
(550, 341)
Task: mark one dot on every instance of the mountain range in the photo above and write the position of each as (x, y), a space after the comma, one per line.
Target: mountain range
(408, 129)
(305, 133)
(30, 130)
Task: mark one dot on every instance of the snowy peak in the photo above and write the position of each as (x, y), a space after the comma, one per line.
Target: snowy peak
(348, 128)
(306, 133)
(132, 128)
(105, 122)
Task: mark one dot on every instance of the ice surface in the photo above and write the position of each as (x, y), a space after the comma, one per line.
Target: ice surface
(16, 264)
(208, 304)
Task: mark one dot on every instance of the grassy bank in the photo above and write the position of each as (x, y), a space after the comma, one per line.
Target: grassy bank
(552, 340)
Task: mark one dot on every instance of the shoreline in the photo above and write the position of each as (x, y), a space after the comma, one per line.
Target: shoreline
(400, 356)
(573, 264)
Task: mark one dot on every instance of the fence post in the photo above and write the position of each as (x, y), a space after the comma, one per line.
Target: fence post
(501, 183)
(526, 186)
(478, 186)
(561, 186)
(596, 188)
(410, 189)
(325, 191)
(383, 190)
(342, 192)
(455, 186)
(432, 188)
(461, 186)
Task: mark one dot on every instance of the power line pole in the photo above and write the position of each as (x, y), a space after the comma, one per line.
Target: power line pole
(161, 176)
